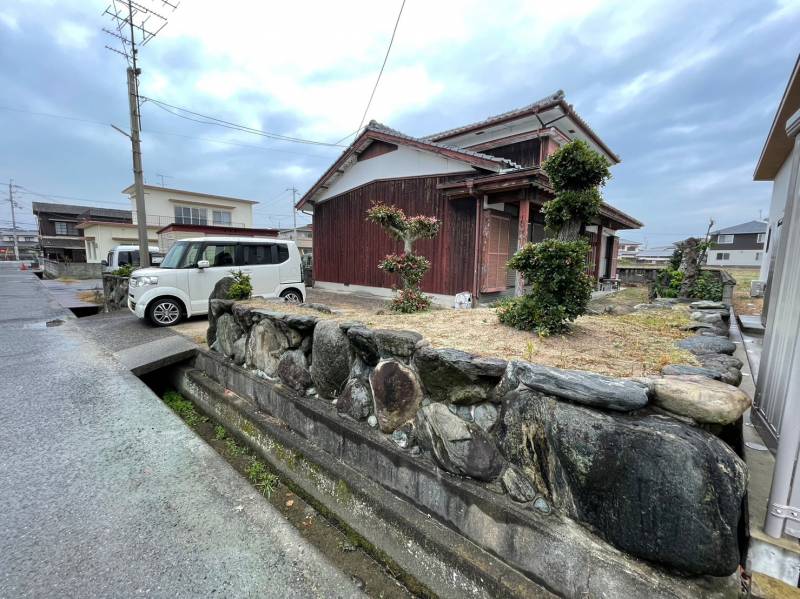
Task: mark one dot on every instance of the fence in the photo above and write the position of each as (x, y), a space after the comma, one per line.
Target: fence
(73, 270)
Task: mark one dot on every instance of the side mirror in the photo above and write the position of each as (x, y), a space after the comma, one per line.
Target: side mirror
(203, 264)
(104, 262)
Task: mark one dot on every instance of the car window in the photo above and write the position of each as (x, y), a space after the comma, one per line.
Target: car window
(191, 256)
(219, 254)
(124, 258)
(262, 253)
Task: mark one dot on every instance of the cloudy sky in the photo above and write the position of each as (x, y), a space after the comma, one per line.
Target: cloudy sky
(683, 91)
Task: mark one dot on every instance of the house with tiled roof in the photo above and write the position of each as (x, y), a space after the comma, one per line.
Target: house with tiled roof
(484, 181)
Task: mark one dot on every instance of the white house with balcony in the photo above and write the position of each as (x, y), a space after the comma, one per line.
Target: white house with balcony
(172, 214)
(303, 236)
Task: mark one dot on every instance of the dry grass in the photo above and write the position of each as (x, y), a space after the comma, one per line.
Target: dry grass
(742, 302)
(92, 296)
(632, 344)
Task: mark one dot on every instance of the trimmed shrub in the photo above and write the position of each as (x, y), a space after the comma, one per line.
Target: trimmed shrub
(242, 286)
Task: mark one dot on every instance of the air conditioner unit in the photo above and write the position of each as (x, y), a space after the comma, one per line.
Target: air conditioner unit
(757, 288)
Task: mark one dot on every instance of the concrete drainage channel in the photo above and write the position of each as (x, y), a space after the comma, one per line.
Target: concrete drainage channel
(349, 552)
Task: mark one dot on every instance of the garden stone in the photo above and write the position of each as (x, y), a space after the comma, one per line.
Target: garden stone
(517, 484)
(216, 308)
(457, 446)
(704, 345)
(265, 345)
(293, 371)
(485, 415)
(404, 436)
(228, 331)
(364, 344)
(648, 484)
(579, 386)
(239, 350)
(697, 397)
(451, 375)
(710, 359)
(643, 307)
(707, 305)
(709, 317)
(699, 326)
(541, 505)
(356, 400)
(372, 421)
(463, 412)
(349, 324)
(687, 369)
(305, 344)
(221, 289)
(330, 359)
(396, 394)
(302, 324)
(396, 344)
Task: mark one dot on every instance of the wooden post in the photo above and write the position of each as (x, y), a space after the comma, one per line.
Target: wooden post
(522, 239)
(598, 253)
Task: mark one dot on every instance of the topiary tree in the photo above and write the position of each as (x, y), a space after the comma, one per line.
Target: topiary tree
(408, 266)
(555, 269)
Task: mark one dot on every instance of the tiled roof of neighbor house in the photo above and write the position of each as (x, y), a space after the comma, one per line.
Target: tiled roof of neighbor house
(381, 128)
(753, 226)
(76, 210)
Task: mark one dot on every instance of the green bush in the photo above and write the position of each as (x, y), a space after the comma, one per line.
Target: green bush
(707, 286)
(560, 287)
(124, 271)
(242, 286)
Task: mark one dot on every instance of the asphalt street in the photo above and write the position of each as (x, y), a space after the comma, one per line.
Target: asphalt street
(105, 492)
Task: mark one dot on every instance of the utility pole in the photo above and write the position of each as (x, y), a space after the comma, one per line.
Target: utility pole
(13, 218)
(126, 25)
(294, 212)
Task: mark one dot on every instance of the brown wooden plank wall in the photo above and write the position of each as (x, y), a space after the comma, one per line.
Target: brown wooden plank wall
(347, 248)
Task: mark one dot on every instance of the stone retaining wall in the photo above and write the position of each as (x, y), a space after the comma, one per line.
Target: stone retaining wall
(75, 270)
(115, 292)
(638, 462)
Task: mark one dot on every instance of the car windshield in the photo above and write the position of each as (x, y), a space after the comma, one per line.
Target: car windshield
(173, 257)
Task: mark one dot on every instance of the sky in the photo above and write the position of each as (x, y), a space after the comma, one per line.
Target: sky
(684, 92)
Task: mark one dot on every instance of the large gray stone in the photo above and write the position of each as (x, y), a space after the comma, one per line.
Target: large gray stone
(458, 446)
(700, 398)
(707, 305)
(688, 369)
(216, 308)
(451, 375)
(707, 344)
(221, 288)
(356, 400)
(396, 344)
(265, 345)
(396, 394)
(517, 484)
(708, 317)
(364, 344)
(240, 350)
(293, 372)
(651, 486)
(331, 356)
(579, 386)
(228, 331)
(301, 323)
(485, 415)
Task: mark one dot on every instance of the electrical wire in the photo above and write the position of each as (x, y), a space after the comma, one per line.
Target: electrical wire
(380, 73)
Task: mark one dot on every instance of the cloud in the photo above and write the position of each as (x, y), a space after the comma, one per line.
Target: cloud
(73, 35)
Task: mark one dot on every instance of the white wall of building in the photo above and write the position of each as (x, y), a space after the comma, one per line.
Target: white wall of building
(403, 162)
(160, 205)
(780, 189)
(102, 237)
(735, 257)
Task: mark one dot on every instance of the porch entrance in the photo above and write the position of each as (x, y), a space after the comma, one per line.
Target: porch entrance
(497, 251)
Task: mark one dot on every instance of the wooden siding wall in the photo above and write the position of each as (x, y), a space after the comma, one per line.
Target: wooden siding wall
(524, 153)
(347, 248)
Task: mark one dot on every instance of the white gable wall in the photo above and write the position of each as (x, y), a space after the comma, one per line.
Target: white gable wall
(403, 162)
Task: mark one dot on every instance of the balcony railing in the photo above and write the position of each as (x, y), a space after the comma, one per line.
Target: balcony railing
(162, 221)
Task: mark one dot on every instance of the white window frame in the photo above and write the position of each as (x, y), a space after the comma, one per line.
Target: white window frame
(761, 237)
(195, 216)
(722, 256)
(216, 220)
(726, 239)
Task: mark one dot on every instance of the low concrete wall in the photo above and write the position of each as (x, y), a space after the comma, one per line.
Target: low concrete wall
(115, 292)
(75, 270)
(637, 275)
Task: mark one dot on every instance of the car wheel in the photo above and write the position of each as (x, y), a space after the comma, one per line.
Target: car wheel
(292, 296)
(164, 312)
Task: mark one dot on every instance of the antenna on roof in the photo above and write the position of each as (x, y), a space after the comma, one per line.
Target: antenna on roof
(162, 177)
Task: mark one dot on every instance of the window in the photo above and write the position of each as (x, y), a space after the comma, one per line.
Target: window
(186, 215)
(723, 256)
(190, 256)
(219, 254)
(724, 239)
(63, 228)
(263, 253)
(221, 217)
(760, 238)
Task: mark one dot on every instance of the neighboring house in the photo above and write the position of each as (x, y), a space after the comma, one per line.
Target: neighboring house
(172, 214)
(304, 239)
(656, 255)
(484, 182)
(27, 243)
(628, 249)
(740, 245)
(60, 236)
(777, 399)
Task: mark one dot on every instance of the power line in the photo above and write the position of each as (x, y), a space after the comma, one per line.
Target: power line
(385, 59)
(210, 120)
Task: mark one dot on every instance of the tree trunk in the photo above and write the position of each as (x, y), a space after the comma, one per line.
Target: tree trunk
(570, 231)
(407, 246)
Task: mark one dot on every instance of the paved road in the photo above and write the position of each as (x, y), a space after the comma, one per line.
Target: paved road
(104, 492)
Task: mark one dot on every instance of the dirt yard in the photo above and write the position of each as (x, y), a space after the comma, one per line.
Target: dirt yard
(622, 344)
(742, 302)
